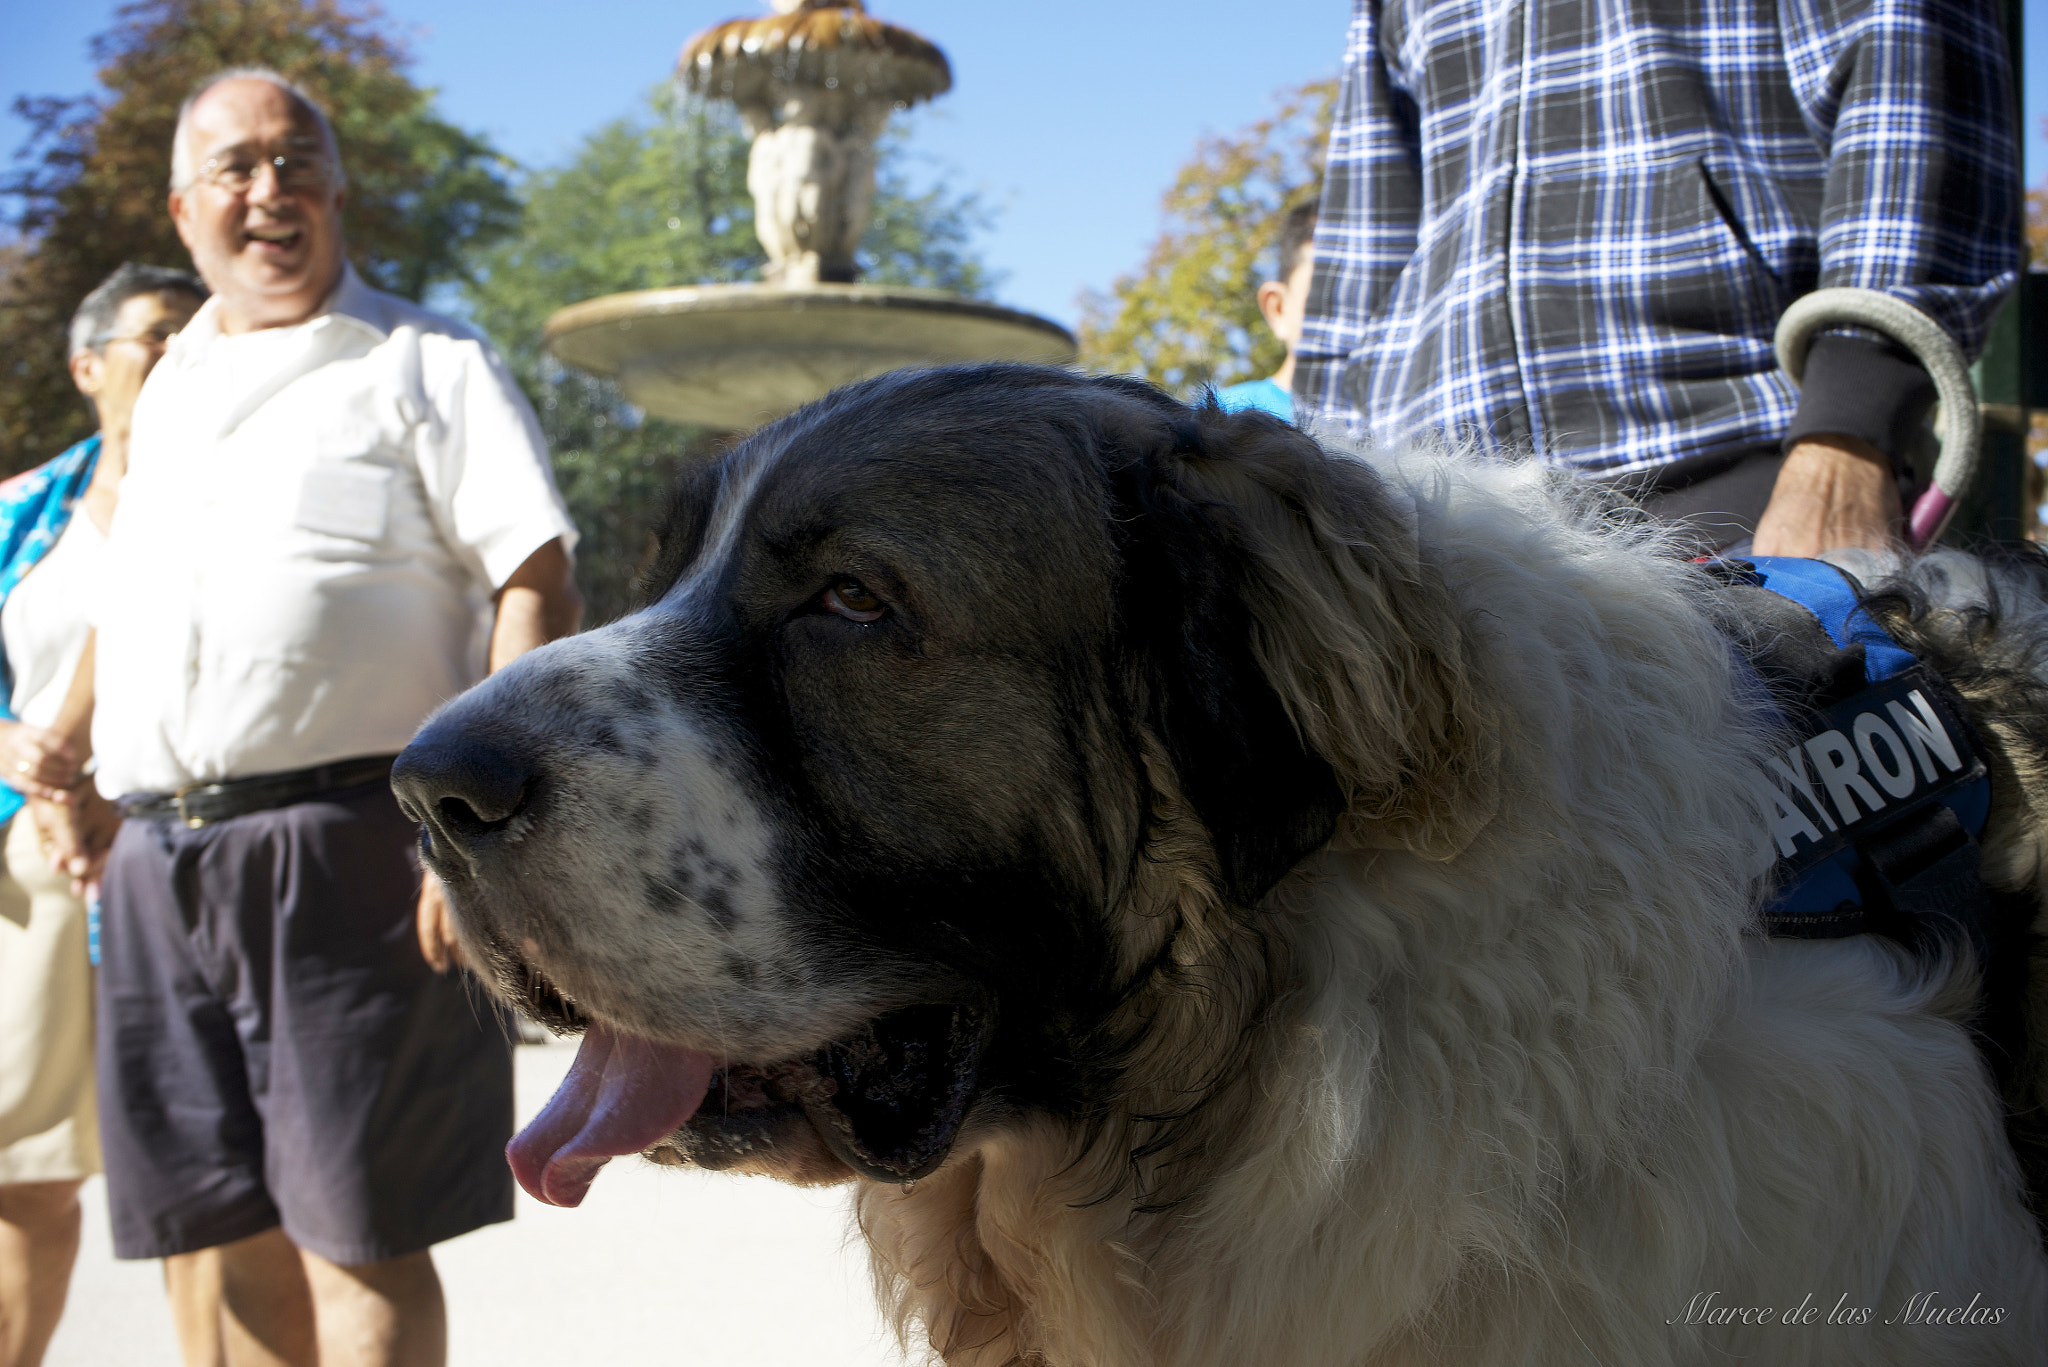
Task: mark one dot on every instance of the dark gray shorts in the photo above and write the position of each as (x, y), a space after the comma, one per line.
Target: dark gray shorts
(273, 1050)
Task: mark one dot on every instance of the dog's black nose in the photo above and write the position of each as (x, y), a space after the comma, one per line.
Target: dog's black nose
(460, 786)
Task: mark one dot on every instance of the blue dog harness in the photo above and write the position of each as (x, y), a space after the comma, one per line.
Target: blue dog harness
(1878, 800)
(1877, 804)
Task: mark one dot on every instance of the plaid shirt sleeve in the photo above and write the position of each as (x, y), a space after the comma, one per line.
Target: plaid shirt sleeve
(1909, 101)
(1574, 225)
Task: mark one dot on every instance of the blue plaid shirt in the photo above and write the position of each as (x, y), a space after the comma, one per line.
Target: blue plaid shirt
(1571, 225)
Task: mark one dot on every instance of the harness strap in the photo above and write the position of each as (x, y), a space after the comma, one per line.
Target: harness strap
(1878, 802)
(1909, 868)
(1836, 601)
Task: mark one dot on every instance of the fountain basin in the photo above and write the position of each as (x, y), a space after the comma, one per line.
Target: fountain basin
(736, 356)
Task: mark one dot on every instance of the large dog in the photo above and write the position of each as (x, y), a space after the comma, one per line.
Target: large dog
(1229, 902)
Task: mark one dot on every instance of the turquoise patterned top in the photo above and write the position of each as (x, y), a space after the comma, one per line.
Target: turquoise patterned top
(35, 508)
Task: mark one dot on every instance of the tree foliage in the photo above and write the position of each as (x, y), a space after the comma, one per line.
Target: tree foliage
(923, 238)
(2037, 227)
(652, 200)
(2037, 220)
(89, 190)
(1189, 316)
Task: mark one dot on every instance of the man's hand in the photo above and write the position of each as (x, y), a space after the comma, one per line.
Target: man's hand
(38, 763)
(75, 835)
(437, 926)
(1832, 492)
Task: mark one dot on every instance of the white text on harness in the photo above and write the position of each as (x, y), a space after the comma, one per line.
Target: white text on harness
(1876, 750)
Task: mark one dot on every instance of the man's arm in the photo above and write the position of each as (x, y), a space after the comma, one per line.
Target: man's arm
(46, 763)
(1912, 106)
(76, 825)
(537, 604)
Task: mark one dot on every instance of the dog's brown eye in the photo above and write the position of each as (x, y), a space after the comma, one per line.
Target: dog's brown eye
(849, 598)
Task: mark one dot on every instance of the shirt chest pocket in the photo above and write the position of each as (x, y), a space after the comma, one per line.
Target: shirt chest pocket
(347, 499)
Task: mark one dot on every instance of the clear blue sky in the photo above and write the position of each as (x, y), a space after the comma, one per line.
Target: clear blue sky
(1070, 115)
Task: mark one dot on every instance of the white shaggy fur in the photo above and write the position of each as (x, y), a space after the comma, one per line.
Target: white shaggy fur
(1539, 1094)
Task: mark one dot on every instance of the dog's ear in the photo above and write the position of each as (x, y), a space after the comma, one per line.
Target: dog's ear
(1308, 669)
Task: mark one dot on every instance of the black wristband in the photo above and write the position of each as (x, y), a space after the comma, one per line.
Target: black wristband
(1859, 387)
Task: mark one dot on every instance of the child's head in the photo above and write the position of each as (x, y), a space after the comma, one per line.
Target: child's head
(1282, 300)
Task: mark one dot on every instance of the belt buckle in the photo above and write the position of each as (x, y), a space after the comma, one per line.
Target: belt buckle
(192, 823)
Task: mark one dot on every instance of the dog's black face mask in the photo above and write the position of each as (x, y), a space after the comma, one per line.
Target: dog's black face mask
(914, 645)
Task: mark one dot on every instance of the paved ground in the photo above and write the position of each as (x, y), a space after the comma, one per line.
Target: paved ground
(659, 1266)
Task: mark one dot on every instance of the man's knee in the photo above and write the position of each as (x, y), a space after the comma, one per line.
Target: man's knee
(400, 1281)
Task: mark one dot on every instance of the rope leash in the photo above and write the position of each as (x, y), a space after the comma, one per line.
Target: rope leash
(1955, 422)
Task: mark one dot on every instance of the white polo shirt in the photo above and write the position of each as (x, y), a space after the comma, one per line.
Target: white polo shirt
(312, 525)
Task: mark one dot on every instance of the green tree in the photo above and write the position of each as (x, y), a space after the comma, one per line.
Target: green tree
(423, 196)
(652, 200)
(2037, 223)
(656, 199)
(1189, 316)
(922, 238)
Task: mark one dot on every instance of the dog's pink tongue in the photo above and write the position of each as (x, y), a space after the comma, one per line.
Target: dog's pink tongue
(622, 1094)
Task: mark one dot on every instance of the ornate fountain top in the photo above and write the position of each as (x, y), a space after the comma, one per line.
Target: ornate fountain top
(837, 46)
(815, 85)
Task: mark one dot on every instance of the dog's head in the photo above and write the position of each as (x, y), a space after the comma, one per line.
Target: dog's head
(844, 842)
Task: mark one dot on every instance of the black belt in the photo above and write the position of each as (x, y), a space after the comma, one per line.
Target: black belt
(198, 804)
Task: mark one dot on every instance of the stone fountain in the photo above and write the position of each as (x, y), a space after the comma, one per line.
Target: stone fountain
(815, 83)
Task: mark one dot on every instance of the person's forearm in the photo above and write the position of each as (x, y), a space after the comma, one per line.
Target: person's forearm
(74, 718)
(1859, 387)
(538, 604)
(526, 619)
(50, 762)
(1833, 491)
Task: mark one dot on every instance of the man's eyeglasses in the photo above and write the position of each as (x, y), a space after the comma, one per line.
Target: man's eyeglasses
(236, 172)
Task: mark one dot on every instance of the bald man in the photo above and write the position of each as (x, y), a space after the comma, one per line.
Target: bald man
(338, 511)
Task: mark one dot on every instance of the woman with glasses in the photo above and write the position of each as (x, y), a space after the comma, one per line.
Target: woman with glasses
(49, 1140)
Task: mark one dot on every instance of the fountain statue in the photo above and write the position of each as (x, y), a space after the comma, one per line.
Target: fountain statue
(814, 86)
(815, 83)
